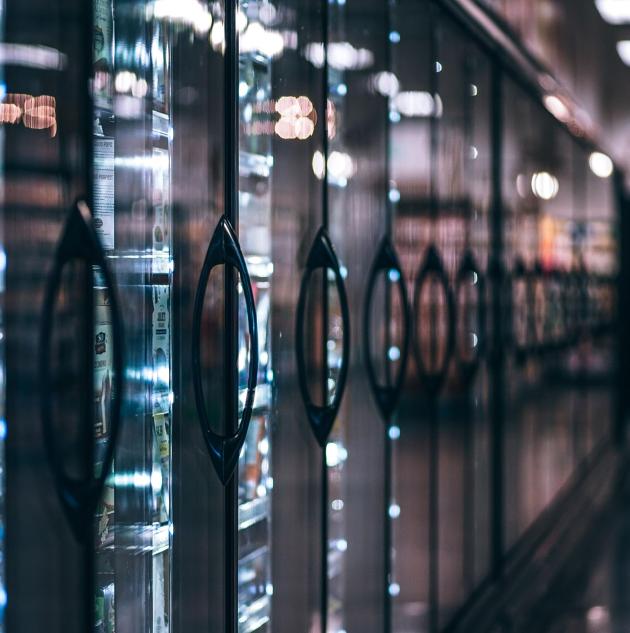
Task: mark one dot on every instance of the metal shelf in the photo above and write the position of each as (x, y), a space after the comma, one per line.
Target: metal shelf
(252, 512)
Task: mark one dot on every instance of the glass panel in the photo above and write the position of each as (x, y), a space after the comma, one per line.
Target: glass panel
(297, 83)
(599, 251)
(411, 106)
(544, 177)
(132, 210)
(197, 39)
(44, 162)
(463, 163)
(260, 43)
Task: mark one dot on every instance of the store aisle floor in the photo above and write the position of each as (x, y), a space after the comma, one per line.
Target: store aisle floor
(592, 592)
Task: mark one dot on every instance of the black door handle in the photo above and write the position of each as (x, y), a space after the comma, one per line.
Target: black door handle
(387, 395)
(468, 269)
(224, 249)
(79, 495)
(322, 256)
(433, 268)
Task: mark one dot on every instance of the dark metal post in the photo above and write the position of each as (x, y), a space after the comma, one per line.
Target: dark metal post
(230, 361)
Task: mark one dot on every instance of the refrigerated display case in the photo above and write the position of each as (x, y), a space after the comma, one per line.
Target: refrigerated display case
(251, 200)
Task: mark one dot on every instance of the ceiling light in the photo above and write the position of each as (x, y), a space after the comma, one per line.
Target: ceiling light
(600, 164)
(545, 185)
(614, 11)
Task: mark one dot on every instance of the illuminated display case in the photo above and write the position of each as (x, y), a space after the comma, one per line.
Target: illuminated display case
(300, 335)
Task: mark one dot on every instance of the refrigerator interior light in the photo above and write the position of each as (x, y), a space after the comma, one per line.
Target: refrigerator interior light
(256, 38)
(614, 11)
(30, 56)
(187, 12)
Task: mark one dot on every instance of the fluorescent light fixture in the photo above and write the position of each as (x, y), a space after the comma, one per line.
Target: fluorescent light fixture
(601, 165)
(187, 12)
(42, 57)
(614, 11)
(623, 50)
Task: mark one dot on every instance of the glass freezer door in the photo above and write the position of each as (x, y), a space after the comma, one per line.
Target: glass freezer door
(91, 146)
(224, 117)
(132, 211)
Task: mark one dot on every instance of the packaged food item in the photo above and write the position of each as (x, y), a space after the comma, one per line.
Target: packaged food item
(161, 196)
(103, 58)
(161, 349)
(103, 363)
(160, 593)
(251, 460)
(104, 190)
(103, 397)
(163, 455)
(99, 607)
(109, 609)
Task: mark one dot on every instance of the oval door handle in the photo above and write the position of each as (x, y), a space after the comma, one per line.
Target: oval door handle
(387, 395)
(79, 496)
(224, 249)
(433, 378)
(468, 269)
(322, 256)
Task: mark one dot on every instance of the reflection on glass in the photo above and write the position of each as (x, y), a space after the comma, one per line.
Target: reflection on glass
(132, 193)
(260, 117)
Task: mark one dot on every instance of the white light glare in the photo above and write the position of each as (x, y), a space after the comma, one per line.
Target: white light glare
(417, 103)
(614, 11)
(557, 107)
(394, 432)
(337, 505)
(342, 545)
(601, 164)
(597, 615)
(341, 56)
(190, 12)
(257, 38)
(394, 589)
(394, 511)
(544, 185)
(340, 166)
(332, 454)
(385, 83)
(623, 50)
